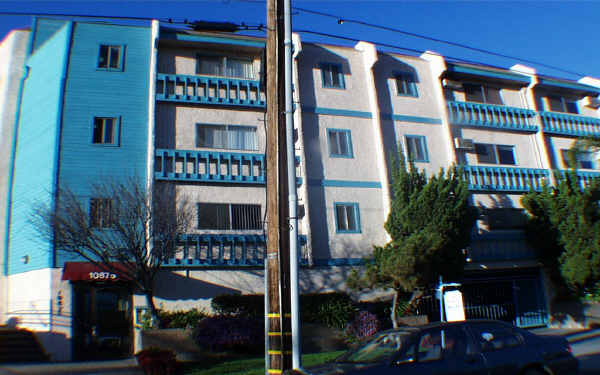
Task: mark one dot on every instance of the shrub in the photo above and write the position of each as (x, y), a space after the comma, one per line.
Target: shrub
(157, 361)
(364, 325)
(332, 309)
(221, 333)
(248, 305)
(181, 319)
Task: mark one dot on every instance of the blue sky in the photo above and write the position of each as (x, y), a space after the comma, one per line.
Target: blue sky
(564, 34)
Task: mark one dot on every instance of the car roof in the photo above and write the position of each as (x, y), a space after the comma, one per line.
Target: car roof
(446, 324)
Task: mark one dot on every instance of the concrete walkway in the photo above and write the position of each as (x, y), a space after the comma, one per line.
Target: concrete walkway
(121, 367)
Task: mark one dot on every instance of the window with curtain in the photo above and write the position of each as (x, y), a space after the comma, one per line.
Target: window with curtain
(233, 137)
(225, 66)
(406, 84)
(332, 76)
(340, 143)
(347, 219)
(416, 148)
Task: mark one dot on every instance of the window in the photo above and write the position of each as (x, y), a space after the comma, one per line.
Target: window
(340, 143)
(495, 154)
(560, 104)
(234, 137)
(347, 217)
(110, 57)
(380, 349)
(583, 160)
(225, 66)
(226, 216)
(482, 94)
(406, 84)
(106, 131)
(332, 76)
(102, 213)
(444, 342)
(416, 148)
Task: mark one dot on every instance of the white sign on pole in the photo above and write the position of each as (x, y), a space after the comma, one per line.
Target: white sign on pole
(453, 304)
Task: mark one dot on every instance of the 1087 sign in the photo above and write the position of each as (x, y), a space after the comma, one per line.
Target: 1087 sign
(102, 276)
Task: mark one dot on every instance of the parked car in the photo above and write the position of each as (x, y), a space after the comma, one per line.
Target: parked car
(475, 347)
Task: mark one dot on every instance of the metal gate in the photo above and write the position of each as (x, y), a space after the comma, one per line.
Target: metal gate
(518, 299)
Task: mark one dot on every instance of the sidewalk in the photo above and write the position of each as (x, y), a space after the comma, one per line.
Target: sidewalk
(120, 367)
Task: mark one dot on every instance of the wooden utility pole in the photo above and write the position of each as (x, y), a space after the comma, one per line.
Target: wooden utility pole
(278, 318)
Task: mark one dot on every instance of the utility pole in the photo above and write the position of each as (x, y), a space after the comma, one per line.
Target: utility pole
(277, 281)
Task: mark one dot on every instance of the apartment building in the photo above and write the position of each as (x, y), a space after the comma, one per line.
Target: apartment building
(89, 101)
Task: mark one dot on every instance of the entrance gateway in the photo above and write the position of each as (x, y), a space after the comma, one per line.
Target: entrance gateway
(101, 313)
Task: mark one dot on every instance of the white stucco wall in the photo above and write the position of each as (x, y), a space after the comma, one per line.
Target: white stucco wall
(312, 92)
(33, 304)
(12, 56)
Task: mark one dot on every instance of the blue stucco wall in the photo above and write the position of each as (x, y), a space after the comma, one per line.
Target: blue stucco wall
(36, 148)
(92, 92)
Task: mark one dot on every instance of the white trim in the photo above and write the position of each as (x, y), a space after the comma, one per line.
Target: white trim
(437, 66)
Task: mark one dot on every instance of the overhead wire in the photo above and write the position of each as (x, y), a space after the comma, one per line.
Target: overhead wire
(342, 20)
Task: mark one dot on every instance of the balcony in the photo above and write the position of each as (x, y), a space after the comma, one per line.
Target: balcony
(209, 90)
(209, 166)
(504, 179)
(584, 178)
(491, 116)
(571, 125)
(218, 250)
(500, 248)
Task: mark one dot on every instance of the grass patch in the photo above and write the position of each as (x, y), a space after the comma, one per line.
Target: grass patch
(232, 364)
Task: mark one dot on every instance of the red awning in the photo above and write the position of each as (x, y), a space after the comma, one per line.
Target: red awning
(86, 271)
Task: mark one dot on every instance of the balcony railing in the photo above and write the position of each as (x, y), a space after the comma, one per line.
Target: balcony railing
(504, 179)
(491, 116)
(498, 248)
(217, 250)
(208, 166)
(584, 178)
(572, 125)
(209, 90)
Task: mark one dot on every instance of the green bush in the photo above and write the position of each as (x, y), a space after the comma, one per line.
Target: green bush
(334, 310)
(181, 319)
(248, 305)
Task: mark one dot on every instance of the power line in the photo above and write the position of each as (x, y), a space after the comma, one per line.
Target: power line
(243, 27)
(85, 16)
(342, 20)
(417, 51)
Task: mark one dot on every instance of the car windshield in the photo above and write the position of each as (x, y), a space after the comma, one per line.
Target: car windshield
(378, 349)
